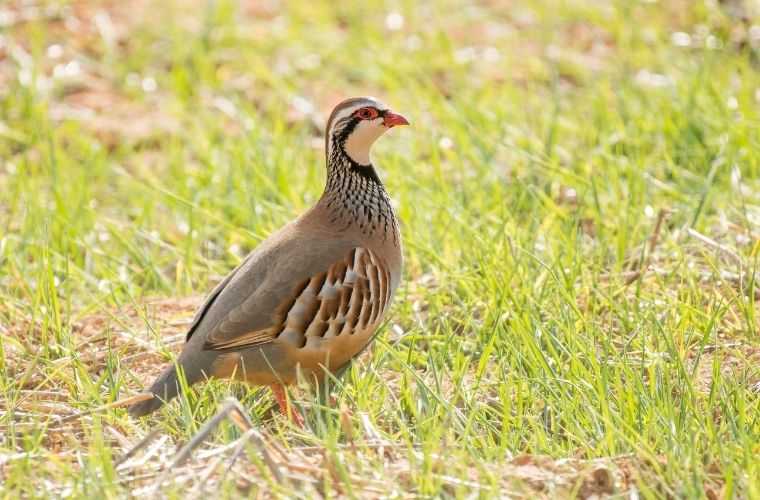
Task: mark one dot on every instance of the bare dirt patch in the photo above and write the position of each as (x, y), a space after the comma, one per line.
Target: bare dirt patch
(736, 363)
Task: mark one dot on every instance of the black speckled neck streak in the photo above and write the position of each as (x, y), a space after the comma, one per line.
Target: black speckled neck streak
(355, 196)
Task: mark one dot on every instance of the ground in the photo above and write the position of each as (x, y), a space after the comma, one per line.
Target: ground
(579, 198)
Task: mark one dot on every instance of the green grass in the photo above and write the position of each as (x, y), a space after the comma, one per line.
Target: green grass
(542, 311)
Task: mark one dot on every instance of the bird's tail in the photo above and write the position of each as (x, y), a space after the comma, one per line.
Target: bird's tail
(194, 363)
(164, 389)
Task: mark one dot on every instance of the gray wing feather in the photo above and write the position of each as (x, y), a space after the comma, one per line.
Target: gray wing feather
(212, 297)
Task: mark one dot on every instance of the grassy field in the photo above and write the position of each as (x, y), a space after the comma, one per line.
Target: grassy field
(580, 203)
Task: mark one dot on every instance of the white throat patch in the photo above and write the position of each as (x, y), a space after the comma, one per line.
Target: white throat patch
(360, 140)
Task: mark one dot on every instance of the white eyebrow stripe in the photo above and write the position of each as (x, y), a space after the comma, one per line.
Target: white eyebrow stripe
(347, 112)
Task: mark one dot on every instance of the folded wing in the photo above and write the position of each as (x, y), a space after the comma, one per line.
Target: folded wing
(303, 304)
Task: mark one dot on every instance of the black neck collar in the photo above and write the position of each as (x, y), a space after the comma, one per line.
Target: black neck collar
(342, 160)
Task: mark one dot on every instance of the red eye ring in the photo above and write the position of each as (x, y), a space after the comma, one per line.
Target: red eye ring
(367, 113)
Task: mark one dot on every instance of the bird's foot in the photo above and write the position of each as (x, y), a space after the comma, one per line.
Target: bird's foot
(286, 407)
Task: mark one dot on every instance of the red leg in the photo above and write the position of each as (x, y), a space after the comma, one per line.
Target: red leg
(287, 409)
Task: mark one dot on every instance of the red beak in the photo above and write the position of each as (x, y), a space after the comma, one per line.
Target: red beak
(390, 119)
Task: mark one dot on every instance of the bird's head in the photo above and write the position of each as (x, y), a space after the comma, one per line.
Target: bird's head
(355, 124)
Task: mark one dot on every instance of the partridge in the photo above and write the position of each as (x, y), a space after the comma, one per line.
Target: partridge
(310, 297)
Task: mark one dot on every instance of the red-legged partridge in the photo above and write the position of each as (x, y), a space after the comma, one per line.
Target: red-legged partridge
(310, 297)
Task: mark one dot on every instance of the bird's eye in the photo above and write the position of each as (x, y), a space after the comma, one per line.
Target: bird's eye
(367, 113)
